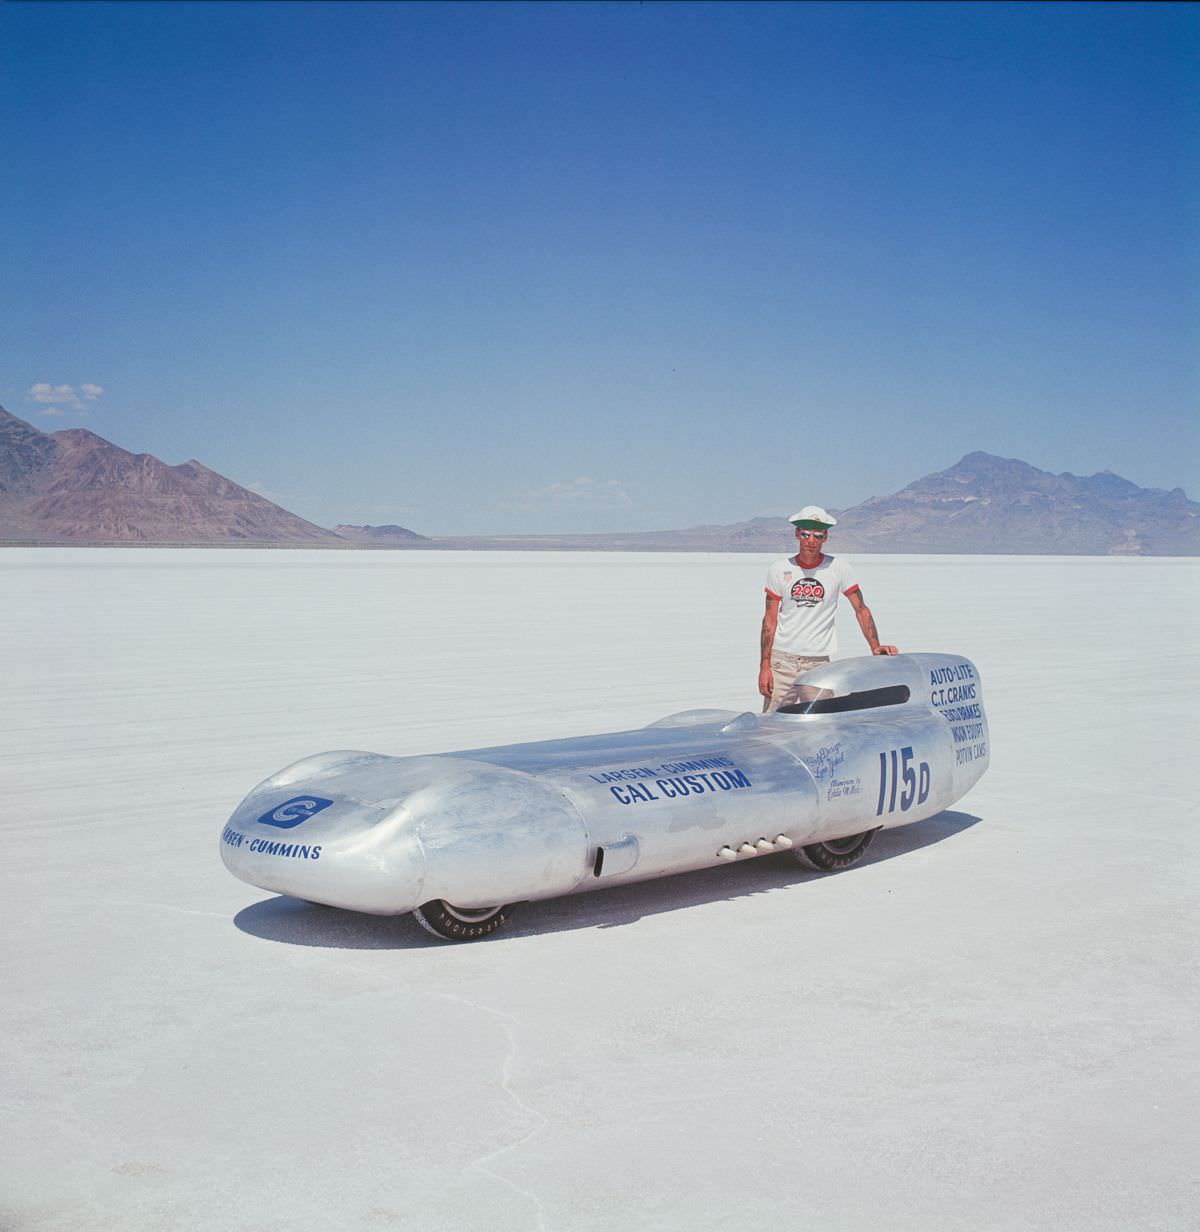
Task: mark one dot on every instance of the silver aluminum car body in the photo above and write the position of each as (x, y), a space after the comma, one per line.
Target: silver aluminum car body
(865, 743)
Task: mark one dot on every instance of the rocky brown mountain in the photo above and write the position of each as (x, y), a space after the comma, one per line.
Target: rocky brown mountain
(985, 504)
(75, 487)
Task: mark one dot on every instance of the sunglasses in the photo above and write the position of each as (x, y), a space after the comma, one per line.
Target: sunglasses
(812, 534)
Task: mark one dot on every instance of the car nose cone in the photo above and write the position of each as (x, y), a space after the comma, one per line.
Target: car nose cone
(327, 848)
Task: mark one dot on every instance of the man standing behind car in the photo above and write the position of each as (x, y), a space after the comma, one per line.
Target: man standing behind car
(802, 596)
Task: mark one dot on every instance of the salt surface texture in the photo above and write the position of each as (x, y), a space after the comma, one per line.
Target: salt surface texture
(989, 1024)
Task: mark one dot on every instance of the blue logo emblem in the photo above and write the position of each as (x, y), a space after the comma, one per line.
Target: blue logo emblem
(292, 812)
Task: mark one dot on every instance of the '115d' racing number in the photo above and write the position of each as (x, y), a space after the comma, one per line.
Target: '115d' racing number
(901, 783)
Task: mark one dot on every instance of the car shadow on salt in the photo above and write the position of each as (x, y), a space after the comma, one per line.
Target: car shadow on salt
(294, 922)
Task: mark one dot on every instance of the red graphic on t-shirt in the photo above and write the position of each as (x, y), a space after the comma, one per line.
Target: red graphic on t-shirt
(808, 592)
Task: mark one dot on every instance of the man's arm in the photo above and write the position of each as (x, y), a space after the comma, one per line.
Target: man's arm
(866, 622)
(766, 680)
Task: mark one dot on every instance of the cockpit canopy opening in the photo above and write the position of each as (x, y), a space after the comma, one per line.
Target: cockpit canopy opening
(846, 685)
(804, 698)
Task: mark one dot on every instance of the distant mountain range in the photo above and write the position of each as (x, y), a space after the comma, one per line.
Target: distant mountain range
(75, 487)
(389, 536)
(980, 505)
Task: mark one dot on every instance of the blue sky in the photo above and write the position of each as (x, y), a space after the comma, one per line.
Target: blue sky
(523, 268)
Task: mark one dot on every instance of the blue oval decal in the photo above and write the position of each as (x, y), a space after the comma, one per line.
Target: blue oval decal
(292, 812)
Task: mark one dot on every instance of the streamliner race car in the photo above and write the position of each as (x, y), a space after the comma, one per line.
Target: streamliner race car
(460, 838)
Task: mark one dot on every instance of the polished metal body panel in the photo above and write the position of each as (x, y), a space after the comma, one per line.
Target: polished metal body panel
(885, 741)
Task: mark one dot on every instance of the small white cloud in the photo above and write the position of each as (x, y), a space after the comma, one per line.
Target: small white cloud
(43, 392)
(54, 398)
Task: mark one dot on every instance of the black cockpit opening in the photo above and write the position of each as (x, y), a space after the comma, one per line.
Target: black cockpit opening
(866, 699)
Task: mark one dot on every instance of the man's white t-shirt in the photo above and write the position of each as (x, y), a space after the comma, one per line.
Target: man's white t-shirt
(808, 600)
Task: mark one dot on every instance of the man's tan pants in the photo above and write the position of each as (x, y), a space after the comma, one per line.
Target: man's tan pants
(785, 668)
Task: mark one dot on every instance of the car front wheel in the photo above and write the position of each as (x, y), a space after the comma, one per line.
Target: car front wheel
(450, 923)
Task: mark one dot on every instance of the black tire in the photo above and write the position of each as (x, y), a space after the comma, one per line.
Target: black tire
(450, 923)
(837, 853)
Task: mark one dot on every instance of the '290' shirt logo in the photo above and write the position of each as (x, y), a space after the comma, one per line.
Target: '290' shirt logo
(808, 592)
(292, 812)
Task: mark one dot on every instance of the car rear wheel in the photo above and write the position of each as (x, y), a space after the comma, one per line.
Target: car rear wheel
(837, 853)
(450, 923)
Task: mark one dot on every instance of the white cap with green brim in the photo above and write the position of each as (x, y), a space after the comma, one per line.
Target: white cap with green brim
(813, 517)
